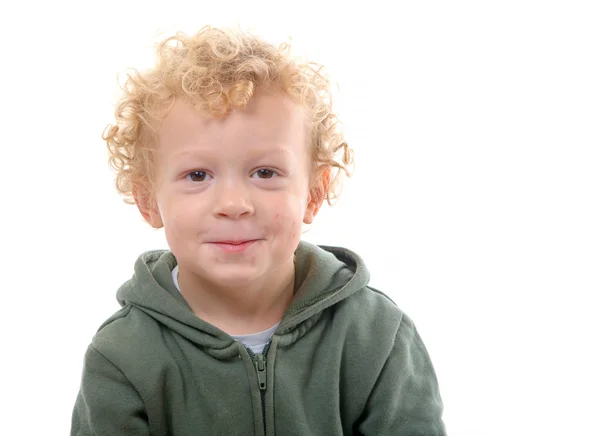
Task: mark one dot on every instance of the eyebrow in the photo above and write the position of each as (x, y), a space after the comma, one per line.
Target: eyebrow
(190, 153)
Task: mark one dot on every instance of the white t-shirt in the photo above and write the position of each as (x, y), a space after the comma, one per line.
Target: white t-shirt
(255, 341)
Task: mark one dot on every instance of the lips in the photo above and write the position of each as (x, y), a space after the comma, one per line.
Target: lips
(235, 245)
(234, 241)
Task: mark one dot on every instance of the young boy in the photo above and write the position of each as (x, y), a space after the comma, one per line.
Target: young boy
(240, 328)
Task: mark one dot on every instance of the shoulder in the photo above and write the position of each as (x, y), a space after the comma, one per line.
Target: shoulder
(371, 320)
(125, 334)
(372, 306)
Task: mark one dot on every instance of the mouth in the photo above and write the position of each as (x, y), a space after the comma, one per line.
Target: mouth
(234, 246)
(234, 241)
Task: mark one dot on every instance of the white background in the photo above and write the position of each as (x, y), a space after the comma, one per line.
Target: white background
(475, 200)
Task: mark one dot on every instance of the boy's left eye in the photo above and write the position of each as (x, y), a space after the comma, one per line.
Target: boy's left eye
(265, 173)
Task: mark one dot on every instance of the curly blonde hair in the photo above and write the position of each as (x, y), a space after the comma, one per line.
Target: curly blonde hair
(218, 70)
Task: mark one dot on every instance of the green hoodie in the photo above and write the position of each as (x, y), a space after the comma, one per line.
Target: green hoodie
(343, 361)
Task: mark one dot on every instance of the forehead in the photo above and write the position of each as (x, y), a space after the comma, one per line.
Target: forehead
(270, 121)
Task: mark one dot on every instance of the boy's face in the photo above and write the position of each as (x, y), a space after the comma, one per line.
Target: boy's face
(232, 193)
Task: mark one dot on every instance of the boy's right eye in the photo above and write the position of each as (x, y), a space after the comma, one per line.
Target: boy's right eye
(198, 176)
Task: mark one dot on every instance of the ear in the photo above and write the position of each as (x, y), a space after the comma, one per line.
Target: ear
(147, 206)
(317, 192)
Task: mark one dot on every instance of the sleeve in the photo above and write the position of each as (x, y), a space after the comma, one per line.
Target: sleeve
(107, 403)
(405, 400)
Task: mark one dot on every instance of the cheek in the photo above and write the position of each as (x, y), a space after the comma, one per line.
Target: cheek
(180, 223)
(287, 231)
(287, 223)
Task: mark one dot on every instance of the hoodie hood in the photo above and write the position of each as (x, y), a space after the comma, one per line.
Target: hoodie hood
(324, 276)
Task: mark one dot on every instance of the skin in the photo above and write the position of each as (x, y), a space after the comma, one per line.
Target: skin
(243, 177)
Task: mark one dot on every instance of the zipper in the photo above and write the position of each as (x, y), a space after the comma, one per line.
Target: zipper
(260, 365)
(261, 372)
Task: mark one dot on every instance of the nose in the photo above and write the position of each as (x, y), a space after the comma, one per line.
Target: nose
(233, 200)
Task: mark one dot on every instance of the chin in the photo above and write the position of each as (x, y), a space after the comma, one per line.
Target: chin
(238, 282)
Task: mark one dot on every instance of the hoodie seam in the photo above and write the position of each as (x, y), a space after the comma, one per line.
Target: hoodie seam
(377, 291)
(117, 315)
(120, 372)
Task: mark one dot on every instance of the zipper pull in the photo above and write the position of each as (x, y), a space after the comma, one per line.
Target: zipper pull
(261, 371)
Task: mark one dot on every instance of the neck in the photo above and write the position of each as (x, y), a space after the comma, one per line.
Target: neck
(250, 308)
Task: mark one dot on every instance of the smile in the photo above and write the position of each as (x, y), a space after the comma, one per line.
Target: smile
(234, 246)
